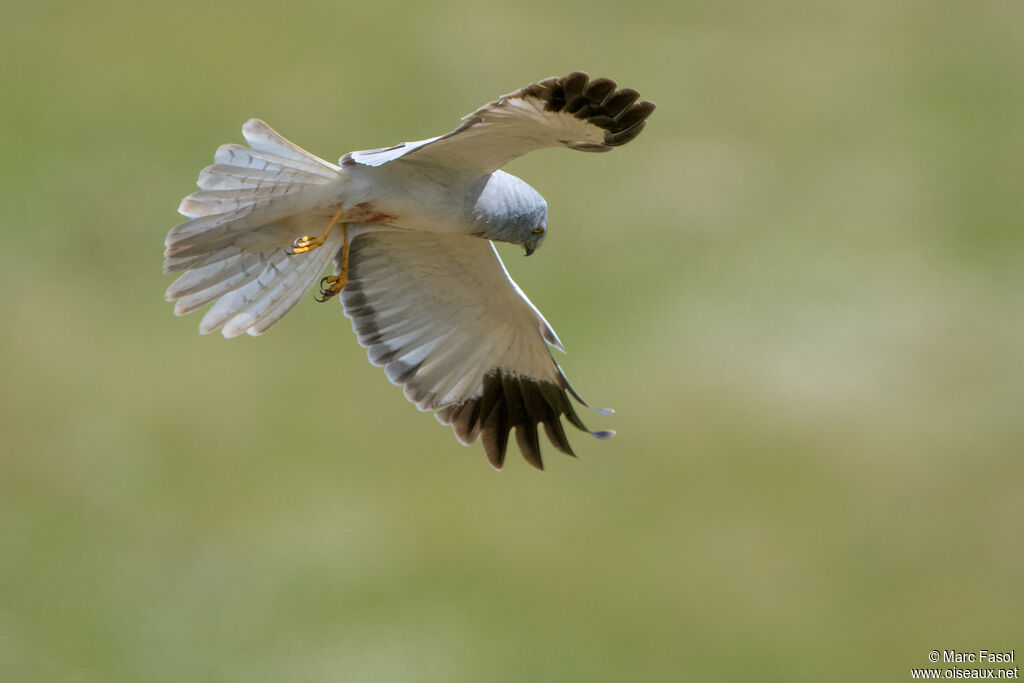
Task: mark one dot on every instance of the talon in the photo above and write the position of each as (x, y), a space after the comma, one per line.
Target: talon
(331, 286)
(308, 243)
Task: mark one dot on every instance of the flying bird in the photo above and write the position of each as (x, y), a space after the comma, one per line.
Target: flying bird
(410, 231)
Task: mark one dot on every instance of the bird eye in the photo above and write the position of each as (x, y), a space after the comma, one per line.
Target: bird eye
(538, 230)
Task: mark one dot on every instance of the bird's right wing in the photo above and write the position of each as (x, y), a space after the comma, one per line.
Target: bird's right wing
(446, 321)
(573, 111)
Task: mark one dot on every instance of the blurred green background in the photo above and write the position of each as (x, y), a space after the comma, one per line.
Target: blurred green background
(801, 288)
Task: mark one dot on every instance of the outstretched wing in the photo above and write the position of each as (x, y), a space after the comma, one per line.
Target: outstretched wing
(574, 112)
(446, 321)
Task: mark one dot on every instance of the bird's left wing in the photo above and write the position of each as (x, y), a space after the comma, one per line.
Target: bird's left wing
(591, 115)
(446, 321)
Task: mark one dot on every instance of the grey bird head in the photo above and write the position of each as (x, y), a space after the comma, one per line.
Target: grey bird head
(536, 236)
(509, 210)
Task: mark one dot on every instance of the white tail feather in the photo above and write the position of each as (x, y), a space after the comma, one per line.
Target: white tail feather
(263, 138)
(221, 177)
(252, 204)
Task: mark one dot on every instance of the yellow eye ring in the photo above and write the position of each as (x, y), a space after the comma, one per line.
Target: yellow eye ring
(538, 230)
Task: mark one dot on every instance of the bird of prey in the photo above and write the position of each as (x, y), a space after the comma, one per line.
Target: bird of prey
(409, 230)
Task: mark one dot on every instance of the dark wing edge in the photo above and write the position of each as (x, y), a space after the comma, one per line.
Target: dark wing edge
(499, 396)
(599, 102)
(508, 400)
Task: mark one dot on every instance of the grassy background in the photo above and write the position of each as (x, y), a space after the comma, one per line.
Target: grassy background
(801, 287)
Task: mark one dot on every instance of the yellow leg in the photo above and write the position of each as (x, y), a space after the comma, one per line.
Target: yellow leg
(309, 243)
(332, 285)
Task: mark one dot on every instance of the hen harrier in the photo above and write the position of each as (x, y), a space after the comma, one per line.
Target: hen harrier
(409, 229)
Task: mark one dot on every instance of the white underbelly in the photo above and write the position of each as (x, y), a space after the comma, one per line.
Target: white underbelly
(434, 201)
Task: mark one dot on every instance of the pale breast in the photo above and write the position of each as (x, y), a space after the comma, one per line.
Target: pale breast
(412, 196)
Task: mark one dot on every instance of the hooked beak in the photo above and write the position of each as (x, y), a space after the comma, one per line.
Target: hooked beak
(529, 249)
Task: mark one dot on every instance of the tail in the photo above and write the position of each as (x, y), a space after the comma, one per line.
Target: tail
(251, 205)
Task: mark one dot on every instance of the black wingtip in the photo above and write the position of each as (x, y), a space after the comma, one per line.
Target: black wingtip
(508, 401)
(596, 101)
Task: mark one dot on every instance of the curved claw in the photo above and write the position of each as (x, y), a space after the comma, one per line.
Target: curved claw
(330, 287)
(305, 243)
